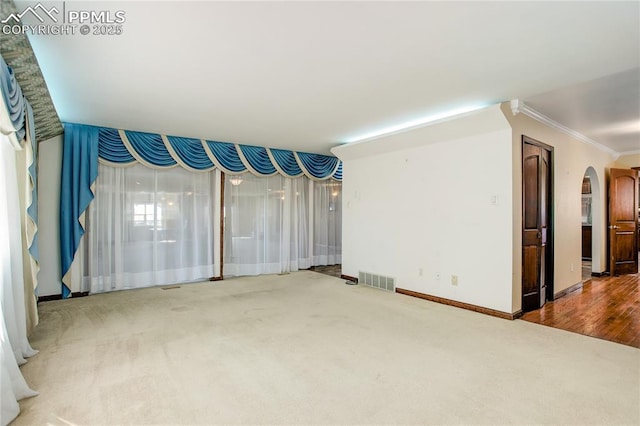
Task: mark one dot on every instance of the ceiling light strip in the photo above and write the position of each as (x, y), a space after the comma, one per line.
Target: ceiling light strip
(418, 123)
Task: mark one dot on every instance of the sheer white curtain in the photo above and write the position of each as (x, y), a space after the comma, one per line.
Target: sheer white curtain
(271, 224)
(266, 226)
(148, 227)
(327, 223)
(14, 346)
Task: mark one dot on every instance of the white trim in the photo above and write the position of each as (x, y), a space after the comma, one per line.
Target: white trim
(518, 106)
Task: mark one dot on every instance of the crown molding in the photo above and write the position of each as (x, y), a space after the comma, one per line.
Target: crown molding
(517, 107)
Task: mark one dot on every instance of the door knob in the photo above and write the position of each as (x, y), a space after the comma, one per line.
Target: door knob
(614, 227)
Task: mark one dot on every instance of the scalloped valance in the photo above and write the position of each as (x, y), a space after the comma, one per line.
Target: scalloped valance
(121, 148)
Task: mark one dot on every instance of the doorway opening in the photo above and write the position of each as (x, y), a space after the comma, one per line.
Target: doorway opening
(591, 226)
(537, 224)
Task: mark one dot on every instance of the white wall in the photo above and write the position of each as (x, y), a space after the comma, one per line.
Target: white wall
(427, 209)
(49, 169)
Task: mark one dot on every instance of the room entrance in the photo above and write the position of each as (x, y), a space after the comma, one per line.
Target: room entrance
(623, 221)
(591, 225)
(537, 224)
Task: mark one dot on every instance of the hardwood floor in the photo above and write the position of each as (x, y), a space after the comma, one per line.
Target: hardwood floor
(586, 270)
(332, 270)
(605, 307)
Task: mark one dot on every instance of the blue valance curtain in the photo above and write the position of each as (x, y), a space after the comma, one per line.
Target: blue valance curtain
(14, 101)
(85, 146)
(124, 147)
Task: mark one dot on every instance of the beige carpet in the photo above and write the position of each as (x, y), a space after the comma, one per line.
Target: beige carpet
(305, 348)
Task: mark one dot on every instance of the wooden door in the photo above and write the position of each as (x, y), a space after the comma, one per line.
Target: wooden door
(537, 256)
(623, 222)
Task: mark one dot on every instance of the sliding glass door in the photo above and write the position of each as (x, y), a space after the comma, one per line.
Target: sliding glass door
(150, 227)
(278, 224)
(147, 227)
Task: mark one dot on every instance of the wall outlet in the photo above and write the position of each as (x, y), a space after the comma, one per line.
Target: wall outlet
(454, 280)
(437, 275)
(572, 267)
(420, 272)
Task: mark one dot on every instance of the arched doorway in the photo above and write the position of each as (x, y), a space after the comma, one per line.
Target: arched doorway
(592, 223)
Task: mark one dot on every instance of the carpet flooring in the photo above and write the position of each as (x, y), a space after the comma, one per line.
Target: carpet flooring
(305, 348)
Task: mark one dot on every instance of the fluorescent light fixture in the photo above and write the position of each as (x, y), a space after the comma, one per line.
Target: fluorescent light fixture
(413, 124)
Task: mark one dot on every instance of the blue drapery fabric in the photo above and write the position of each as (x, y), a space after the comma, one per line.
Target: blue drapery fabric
(13, 99)
(79, 172)
(338, 173)
(32, 210)
(124, 147)
(258, 159)
(227, 156)
(112, 149)
(286, 160)
(85, 145)
(150, 148)
(317, 165)
(191, 152)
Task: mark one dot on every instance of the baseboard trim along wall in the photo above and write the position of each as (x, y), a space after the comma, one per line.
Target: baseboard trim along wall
(349, 277)
(455, 303)
(568, 290)
(59, 296)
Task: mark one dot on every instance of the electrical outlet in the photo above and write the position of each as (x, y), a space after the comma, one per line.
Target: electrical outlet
(454, 280)
(572, 267)
(437, 275)
(420, 272)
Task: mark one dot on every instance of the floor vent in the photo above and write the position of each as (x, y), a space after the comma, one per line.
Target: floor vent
(171, 287)
(377, 281)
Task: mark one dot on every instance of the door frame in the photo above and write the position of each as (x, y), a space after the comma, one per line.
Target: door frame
(550, 294)
(610, 260)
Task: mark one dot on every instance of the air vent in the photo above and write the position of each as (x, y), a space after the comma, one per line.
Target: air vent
(377, 281)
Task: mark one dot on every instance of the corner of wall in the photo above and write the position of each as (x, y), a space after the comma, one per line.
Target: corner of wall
(49, 166)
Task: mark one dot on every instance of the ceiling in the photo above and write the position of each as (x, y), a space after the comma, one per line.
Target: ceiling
(311, 75)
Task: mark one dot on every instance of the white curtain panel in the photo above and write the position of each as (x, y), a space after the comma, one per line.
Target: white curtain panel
(14, 346)
(148, 227)
(268, 224)
(327, 223)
